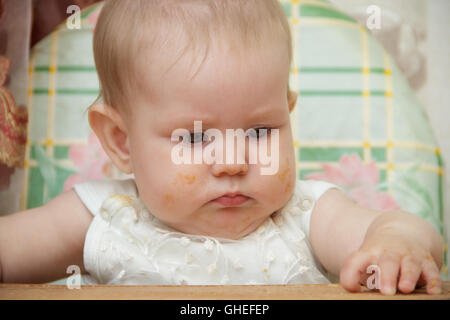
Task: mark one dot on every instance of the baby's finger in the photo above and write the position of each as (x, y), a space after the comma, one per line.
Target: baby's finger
(432, 277)
(353, 268)
(410, 271)
(389, 265)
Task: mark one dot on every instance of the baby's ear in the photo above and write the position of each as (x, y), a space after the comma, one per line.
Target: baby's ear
(109, 126)
(292, 100)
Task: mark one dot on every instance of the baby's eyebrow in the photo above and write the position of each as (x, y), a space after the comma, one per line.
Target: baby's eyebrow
(265, 111)
(260, 115)
(187, 121)
(265, 114)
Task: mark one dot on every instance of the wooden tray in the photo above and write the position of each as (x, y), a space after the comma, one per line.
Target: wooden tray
(12, 291)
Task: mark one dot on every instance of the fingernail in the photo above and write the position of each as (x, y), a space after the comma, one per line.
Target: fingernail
(435, 290)
(390, 291)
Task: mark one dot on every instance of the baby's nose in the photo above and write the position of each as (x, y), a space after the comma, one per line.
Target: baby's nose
(233, 157)
(230, 169)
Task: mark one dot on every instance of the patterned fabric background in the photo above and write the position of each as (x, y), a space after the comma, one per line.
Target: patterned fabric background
(357, 122)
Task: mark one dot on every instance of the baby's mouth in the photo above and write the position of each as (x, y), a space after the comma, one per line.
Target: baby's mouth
(231, 199)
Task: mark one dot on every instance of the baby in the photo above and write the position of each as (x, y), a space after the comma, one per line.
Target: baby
(162, 65)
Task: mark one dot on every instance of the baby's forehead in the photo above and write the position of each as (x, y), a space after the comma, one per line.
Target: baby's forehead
(223, 79)
(226, 53)
(218, 101)
(142, 40)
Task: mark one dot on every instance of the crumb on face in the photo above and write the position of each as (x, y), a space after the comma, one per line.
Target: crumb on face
(285, 172)
(184, 179)
(168, 200)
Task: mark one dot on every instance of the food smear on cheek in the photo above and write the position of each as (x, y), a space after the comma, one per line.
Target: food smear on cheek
(168, 200)
(288, 186)
(284, 175)
(184, 179)
(284, 172)
(179, 182)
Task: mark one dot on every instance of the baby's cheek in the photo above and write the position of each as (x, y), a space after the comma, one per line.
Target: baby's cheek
(181, 189)
(178, 186)
(184, 180)
(277, 188)
(286, 175)
(169, 200)
(170, 197)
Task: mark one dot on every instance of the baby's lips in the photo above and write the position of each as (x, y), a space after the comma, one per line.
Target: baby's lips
(231, 201)
(229, 194)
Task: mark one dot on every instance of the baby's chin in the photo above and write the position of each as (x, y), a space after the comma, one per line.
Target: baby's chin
(225, 223)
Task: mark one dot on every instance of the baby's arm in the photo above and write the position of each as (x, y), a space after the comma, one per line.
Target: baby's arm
(37, 245)
(347, 238)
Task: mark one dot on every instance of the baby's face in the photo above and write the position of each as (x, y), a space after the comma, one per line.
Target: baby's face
(228, 93)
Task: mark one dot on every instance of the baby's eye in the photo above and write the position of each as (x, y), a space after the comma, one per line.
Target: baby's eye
(198, 137)
(259, 132)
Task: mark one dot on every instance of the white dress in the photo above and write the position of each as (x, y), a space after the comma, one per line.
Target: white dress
(125, 244)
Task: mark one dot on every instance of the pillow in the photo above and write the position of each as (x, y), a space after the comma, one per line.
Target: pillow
(357, 122)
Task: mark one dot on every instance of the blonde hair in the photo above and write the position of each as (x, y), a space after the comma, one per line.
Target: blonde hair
(125, 28)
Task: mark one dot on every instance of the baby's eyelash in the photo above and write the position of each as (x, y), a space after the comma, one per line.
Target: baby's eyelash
(266, 132)
(197, 137)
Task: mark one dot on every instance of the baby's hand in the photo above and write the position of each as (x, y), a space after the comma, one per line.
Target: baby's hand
(399, 256)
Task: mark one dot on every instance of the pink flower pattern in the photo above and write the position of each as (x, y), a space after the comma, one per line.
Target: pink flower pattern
(359, 181)
(93, 16)
(91, 160)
